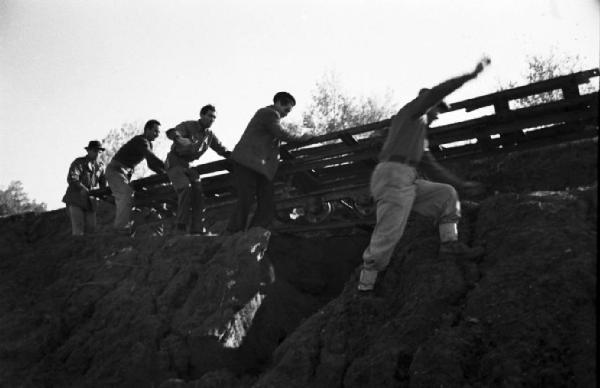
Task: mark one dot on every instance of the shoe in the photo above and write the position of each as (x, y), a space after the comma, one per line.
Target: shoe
(461, 250)
(366, 281)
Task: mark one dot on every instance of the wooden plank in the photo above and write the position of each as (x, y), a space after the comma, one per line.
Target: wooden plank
(525, 90)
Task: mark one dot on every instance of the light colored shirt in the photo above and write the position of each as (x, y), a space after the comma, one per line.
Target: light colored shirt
(408, 129)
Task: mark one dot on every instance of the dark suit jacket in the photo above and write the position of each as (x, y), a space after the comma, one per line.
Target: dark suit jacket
(258, 148)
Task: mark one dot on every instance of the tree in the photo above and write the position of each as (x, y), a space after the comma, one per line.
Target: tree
(541, 68)
(332, 109)
(14, 200)
(116, 137)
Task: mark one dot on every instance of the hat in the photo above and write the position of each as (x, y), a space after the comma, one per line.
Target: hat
(95, 144)
(443, 106)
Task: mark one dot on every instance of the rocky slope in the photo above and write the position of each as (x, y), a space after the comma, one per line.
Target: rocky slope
(268, 310)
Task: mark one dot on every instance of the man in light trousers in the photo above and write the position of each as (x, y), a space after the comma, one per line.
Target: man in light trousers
(397, 189)
(120, 170)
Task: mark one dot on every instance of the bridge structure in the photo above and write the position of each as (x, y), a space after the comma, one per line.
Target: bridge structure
(332, 171)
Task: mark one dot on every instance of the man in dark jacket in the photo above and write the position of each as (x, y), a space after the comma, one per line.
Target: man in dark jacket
(191, 139)
(85, 173)
(256, 159)
(120, 170)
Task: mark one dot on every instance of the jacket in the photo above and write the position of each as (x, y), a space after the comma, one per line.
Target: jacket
(258, 148)
(84, 173)
(196, 141)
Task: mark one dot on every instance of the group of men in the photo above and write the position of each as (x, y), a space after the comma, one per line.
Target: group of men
(396, 185)
(254, 160)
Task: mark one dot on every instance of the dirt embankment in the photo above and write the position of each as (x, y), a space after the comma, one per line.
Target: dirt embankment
(277, 311)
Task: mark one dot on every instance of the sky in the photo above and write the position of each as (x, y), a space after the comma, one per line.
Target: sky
(72, 70)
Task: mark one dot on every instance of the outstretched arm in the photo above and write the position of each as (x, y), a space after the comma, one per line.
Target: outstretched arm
(436, 94)
(217, 146)
(155, 164)
(274, 126)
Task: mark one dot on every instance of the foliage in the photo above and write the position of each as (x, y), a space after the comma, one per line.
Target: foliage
(14, 200)
(541, 68)
(332, 109)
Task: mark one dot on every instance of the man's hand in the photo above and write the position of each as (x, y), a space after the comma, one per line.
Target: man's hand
(471, 188)
(482, 64)
(305, 137)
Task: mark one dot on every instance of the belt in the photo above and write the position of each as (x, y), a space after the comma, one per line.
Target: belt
(116, 165)
(403, 159)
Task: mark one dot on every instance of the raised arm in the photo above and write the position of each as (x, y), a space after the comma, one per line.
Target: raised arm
(436, 94)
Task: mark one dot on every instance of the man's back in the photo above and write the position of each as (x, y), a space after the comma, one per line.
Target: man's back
(258, 148)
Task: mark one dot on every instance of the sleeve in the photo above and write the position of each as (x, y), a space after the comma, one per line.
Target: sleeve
(217, 146)
(436, 94)
(273, 125)
(102, 176)
(177, 132)
(74, 176)
(153, 162)
(434, 171)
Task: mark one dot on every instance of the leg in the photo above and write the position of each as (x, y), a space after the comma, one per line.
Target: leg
(245, 183)
(182, 185)
(440, 201)
(265, 203)
(197, 201)
(391, 221)
(77, 220)
(393, 189)
(90, 221)
(118, 182)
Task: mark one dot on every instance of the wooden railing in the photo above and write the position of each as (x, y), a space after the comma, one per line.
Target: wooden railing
(337, 165)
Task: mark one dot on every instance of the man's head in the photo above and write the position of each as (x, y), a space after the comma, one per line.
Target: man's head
(284, 102)
(151, 129)
(208, 115)
(434, 112)
(94, 148)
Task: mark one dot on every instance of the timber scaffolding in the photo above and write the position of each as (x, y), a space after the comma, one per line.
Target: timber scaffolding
(332, 171)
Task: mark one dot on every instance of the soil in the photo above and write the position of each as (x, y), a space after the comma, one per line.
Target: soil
(272, 310)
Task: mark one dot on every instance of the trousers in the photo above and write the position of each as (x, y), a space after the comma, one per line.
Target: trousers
(249, 185)
(397, 191)
(118, 177)
(190, 200)
(82, 221)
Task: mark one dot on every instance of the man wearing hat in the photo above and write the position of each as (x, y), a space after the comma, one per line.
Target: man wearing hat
(397, 189)
(86, 173)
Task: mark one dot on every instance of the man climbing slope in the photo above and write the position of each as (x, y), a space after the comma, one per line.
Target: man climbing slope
(397, 190)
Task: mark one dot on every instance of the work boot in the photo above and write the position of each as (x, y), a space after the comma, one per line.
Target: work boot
(460, 250)
(366, 281)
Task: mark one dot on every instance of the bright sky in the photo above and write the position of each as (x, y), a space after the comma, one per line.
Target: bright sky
(71, 70)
